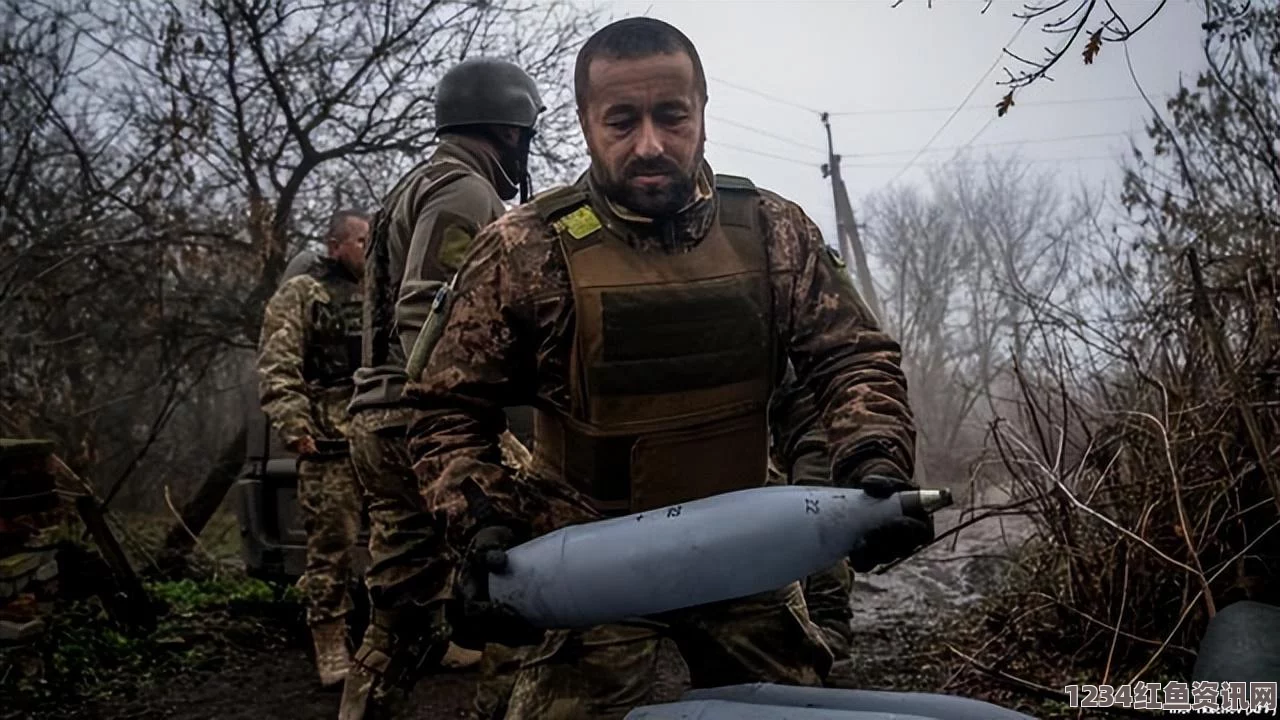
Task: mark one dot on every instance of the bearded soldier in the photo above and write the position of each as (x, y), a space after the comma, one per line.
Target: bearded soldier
(647, 312)
(308, 350)
(485, 114)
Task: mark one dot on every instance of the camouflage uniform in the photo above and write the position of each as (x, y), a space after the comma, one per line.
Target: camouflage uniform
(420, 238)
(515, 335)
(799, 457)
(306, 354)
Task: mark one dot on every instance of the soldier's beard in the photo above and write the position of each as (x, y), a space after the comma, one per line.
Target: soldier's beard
(653, 202)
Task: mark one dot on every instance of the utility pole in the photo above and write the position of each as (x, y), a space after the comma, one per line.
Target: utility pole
(848, 240)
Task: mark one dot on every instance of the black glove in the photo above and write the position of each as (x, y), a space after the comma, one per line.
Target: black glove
(895, 539)
(882, 486)
(477, 618)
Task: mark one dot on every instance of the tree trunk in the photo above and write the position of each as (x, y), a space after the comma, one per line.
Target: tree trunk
(208, 496)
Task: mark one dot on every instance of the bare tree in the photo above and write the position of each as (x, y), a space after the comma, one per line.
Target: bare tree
(1083, 25)
(278, 109)
(87, 330)
(958, 262)
(161, 160)
(1167, 511)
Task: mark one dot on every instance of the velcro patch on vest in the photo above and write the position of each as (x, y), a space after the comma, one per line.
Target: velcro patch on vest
(580, 223)
(451, 238)
(668, 340)
(737, 210)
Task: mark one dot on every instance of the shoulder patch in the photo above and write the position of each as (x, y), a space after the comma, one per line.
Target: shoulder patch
(547, 204)
(451, 239)
(580, 223)
(734, 182)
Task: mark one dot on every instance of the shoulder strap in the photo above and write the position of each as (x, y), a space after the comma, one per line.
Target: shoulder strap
(567, 210)
(739, 202)
(740, 216)
(734, 182)
(550, 204)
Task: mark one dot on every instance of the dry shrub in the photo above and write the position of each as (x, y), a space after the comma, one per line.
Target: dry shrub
(1146, 436)
(1162, 520)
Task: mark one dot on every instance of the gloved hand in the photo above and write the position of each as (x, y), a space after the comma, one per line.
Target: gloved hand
(882, 486)
(476, 615)
(893, 540)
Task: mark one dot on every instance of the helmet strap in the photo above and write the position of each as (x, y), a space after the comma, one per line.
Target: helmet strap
(526, 140)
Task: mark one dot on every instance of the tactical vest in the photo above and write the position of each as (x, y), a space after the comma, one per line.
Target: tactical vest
(334, 345)
(673, 359)
(380, 345)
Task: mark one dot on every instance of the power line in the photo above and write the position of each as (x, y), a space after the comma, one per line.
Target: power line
(797, 161)
(765, 95)
(963, 102)
(1036, 161)
(990, 121)
(1030, 103)
(753, 151)
(970, 144)
(765, 133)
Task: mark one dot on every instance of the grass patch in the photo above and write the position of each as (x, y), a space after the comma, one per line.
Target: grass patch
(187, 596)
(84, 658)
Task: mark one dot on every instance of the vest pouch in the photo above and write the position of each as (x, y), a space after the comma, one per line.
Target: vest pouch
(678, 466)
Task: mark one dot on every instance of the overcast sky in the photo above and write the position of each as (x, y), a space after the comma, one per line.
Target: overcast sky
(891, 78)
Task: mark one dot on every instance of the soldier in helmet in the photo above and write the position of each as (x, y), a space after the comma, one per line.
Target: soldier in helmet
(309, 347)
(485, 115)
(647, 312)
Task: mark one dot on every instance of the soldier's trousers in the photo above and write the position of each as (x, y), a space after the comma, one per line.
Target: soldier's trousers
(403, 543)
(330, 504)
(403, 540)
(604, 672)
(827, 594)
(498, 669)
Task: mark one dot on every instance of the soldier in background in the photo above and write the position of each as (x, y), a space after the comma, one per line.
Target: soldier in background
(307, 352)
(485, 114)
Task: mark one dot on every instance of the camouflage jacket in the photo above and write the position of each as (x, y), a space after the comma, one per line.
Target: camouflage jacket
(798, 440)
(509, 335)
(429, 229)
(297, 404)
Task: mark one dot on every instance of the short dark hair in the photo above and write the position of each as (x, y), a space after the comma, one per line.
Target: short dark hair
(636, 37)
(339, 218)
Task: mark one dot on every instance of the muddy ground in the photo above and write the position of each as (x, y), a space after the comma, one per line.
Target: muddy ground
(260, 667)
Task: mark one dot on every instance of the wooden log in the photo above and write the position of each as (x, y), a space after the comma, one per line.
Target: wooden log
(204, 503)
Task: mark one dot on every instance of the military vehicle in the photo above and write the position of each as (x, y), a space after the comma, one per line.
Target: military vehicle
(273, 542)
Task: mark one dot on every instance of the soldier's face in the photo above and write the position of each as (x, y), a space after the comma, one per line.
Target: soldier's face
(644, 127)
(349, 246)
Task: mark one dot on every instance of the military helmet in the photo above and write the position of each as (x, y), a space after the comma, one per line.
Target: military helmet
(489, 92)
